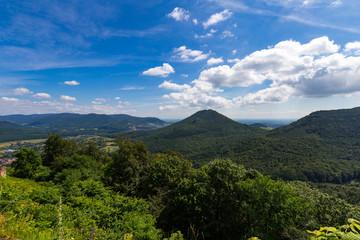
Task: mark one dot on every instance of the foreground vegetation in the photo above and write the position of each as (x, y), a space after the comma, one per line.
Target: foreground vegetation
(80, 192)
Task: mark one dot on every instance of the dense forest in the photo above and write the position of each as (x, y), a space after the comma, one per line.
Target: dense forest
(74, 191)
(322, 147)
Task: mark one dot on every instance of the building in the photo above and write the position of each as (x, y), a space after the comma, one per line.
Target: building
(3, 171)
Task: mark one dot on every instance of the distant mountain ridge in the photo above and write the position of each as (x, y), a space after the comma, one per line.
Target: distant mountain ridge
(11, 132)
(71, 124)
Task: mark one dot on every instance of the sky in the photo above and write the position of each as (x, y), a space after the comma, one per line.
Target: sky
(247, 59)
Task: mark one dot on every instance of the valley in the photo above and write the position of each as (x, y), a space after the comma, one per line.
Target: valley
(203, 170)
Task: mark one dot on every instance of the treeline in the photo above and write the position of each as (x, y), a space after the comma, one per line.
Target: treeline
(79, 192)
(304, 158)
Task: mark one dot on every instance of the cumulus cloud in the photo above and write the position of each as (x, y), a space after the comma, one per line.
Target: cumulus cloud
(179, 14)
(162, 71)
(311, 70)
(213, 61)
(200, 94)
(7, 99)
(195, 21)
(117, 98)
(72, 83)
(188, 55)
(352, 48)
(217, 17)
(67, 98)
(41, 95)
(21, 91)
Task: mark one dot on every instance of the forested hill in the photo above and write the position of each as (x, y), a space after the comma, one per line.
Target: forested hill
(321, 147)
(199, 137)
(70, 124)
(343, 123)
(11, 131)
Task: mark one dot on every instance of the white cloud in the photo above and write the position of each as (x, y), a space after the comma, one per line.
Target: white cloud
(268, 95)
(174, 86)
(184, 75)
(234, 51)
(352, 48)
(200, 94)
(12, 106)
(117, 98)
(72, 83)
(41, 95)
(162, 71)
(179, 14)
(21, 91)
(195, 21)
(207, 35)
(188, 55)
(234, 60)
(284, 61)
(99, 101)
(312, 70)
(67, 98)
(226, 34)
(217, 17)
(336, 3)
(213, 61)
(6, 99)
(131, 88)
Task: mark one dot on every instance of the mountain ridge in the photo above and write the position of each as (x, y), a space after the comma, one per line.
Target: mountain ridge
(72, 124)
(197, 136)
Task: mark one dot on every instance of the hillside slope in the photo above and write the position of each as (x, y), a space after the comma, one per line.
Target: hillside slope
(200, 137)
(321, 147)
(12, 132)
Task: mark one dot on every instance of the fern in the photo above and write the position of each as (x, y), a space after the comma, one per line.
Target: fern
(351, 231)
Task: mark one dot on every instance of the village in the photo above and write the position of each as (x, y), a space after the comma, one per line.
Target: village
(6, 161)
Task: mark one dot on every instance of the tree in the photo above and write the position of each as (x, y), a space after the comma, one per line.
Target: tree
(56, 146)
(26, 164)
(129, 166)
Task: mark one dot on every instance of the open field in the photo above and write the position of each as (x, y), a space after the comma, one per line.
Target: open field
(8, 144)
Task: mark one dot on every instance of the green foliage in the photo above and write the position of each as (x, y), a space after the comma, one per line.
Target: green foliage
(162, 179)
(175, 236)
(27, 163)
(129, 166)
(351, 231)
(91, 209)
(57, 147)
(221, 200)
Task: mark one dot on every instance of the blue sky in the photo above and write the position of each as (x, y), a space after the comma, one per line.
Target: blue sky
(169, 59)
